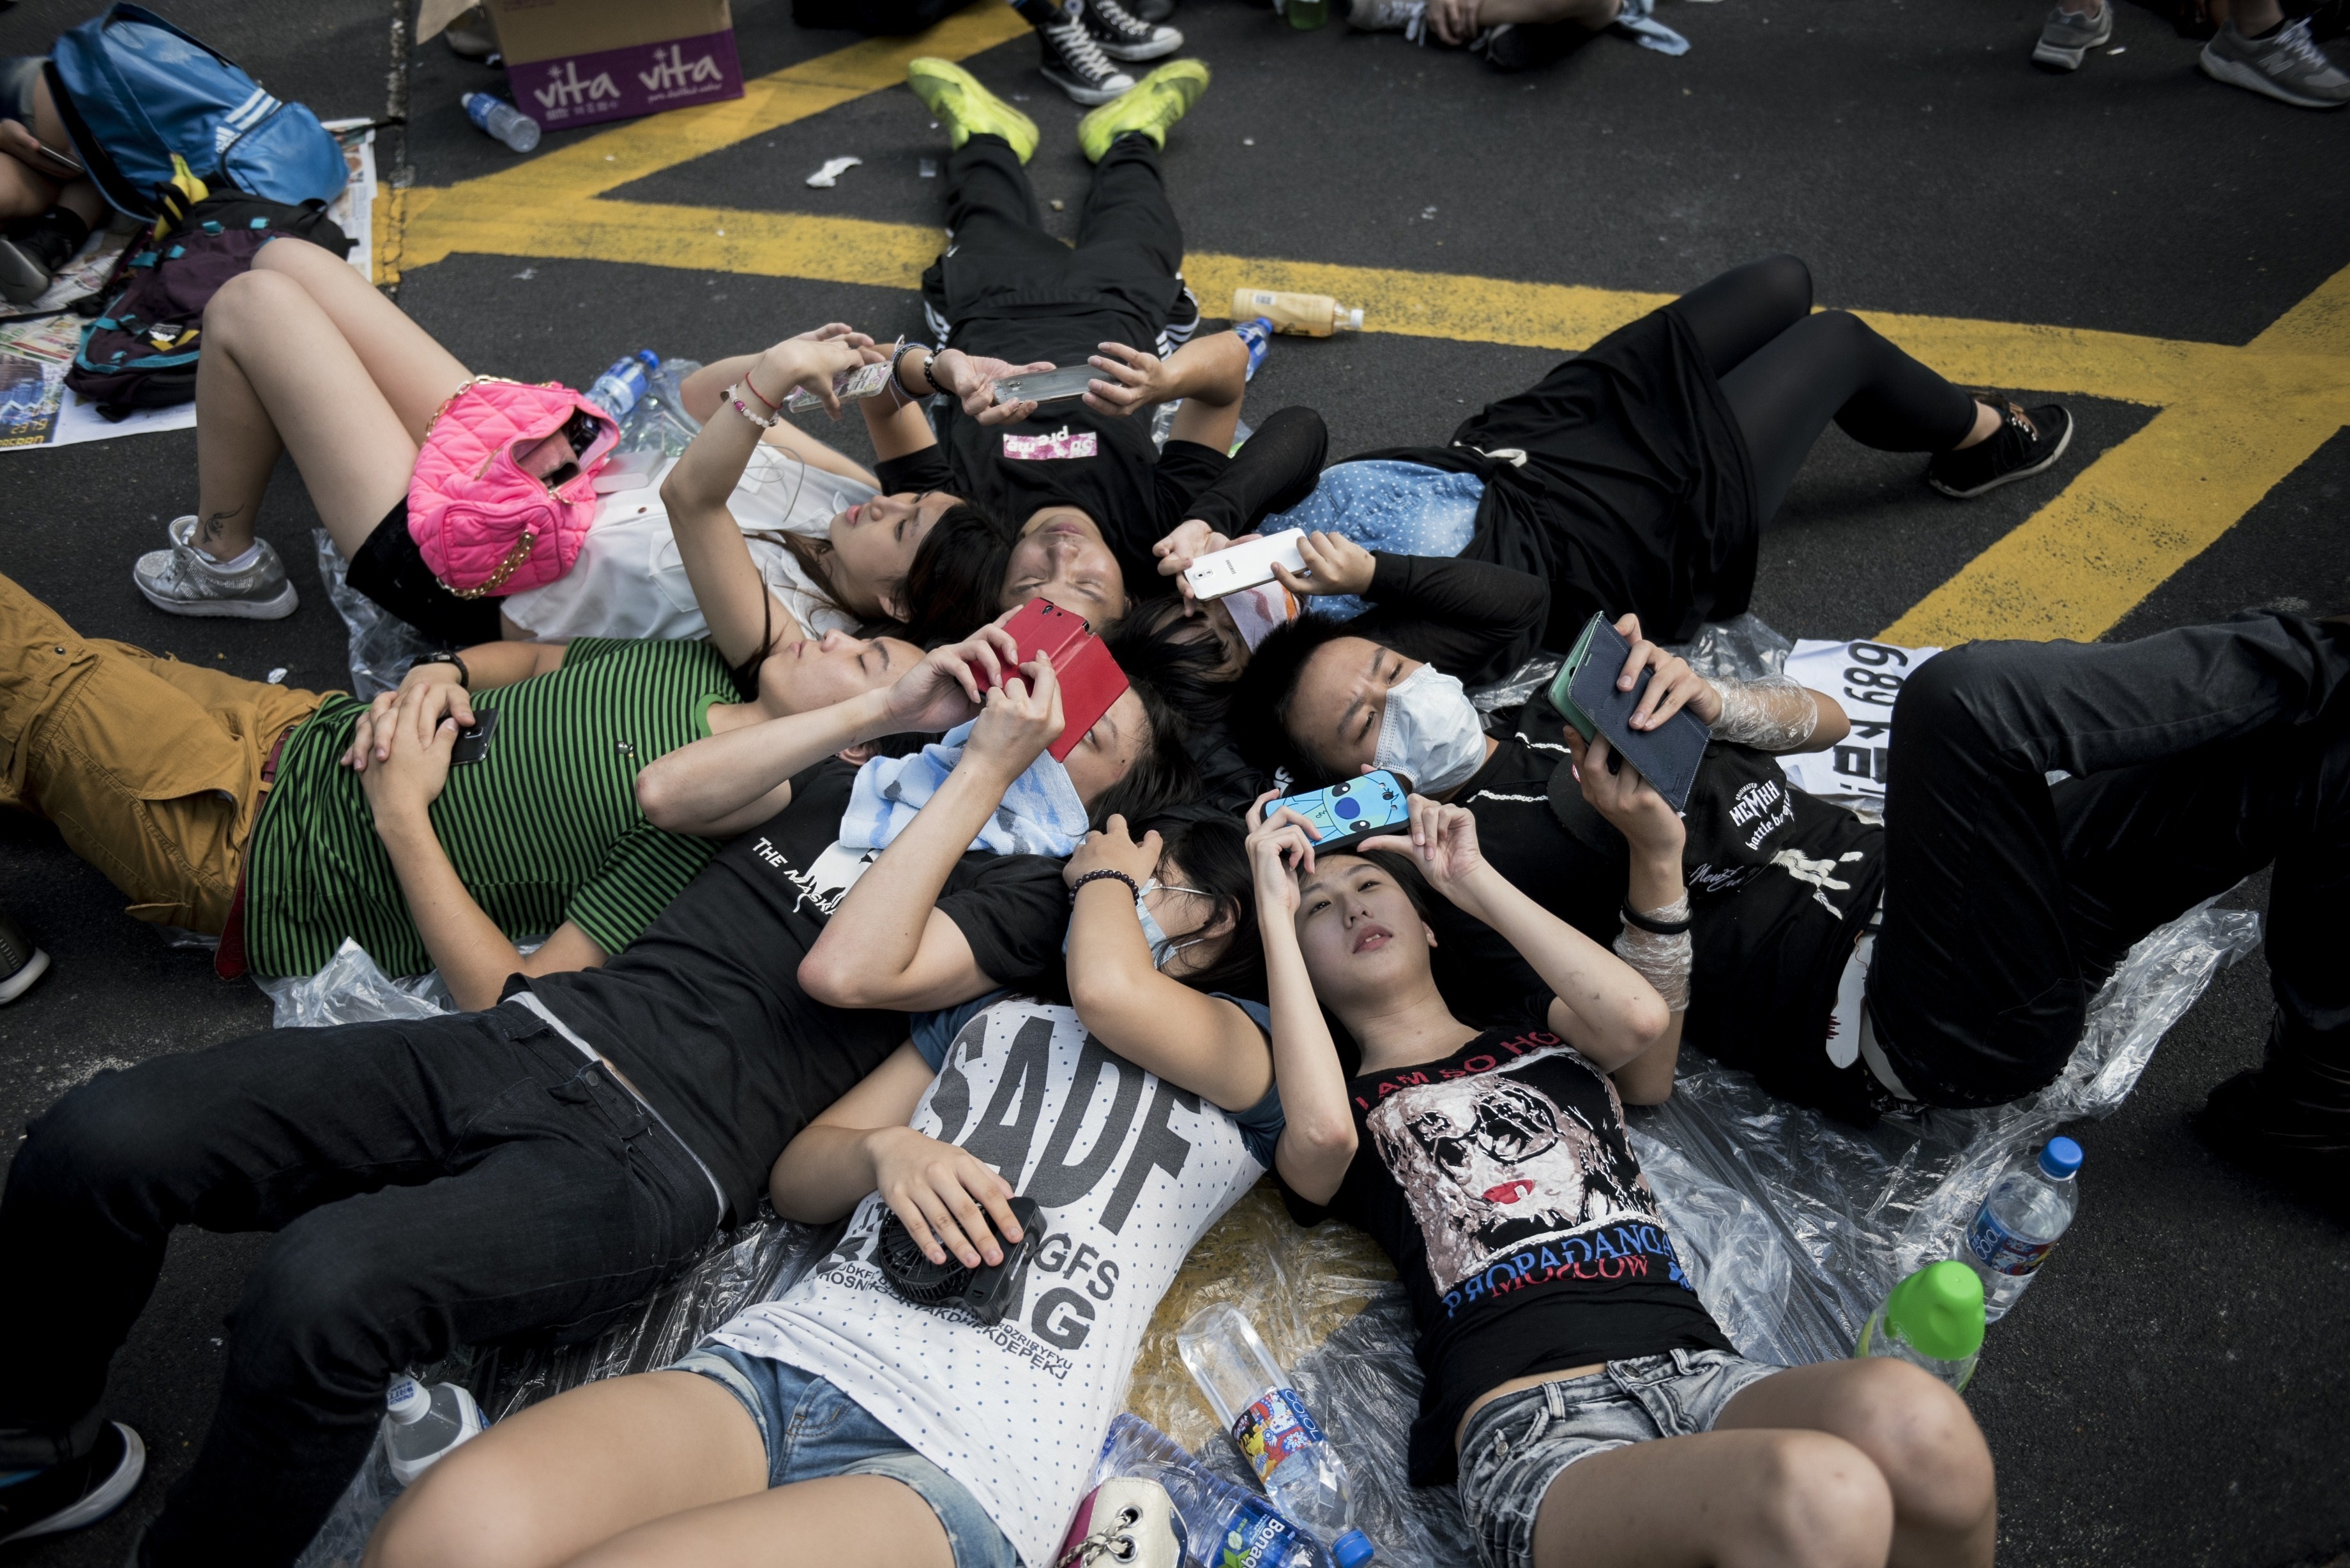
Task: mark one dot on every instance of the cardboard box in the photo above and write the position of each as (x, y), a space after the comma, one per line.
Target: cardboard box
(577, 62)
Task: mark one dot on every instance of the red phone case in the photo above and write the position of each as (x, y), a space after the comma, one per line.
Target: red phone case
(1090, 678)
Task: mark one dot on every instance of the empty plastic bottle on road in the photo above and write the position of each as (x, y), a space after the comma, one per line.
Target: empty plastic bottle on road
(616, 391)
(1933, 1319)
(1267, 1418)
(422, 1424)
(1225, 1526)
(1257, 334)
(501, 119)
(2019, 1221)
(659, 423)
(1300, 315)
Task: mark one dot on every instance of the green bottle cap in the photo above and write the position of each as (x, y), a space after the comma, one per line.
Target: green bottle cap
(1939, 1310)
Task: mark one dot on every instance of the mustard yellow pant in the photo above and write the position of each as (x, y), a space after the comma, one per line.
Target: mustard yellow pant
(151, 768)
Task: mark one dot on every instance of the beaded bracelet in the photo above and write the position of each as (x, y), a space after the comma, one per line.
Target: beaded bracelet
(765, 422)
(1102, 874)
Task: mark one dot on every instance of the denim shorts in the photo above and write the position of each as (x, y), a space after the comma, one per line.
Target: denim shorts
(812, 1430)
(1517, 1446)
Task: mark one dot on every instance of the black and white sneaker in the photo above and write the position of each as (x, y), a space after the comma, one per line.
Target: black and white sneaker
(2028, 441)
(21, 963)
(1075, 64)
(69, 1496)
(1124, 37)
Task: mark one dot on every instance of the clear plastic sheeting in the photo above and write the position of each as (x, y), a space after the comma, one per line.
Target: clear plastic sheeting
(1520, 685)
(1743, 648)
(382, 645)
(352, 990)
(1859, 1209)
(755, 1263)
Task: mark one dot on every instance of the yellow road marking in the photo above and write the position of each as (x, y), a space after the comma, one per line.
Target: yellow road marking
(2235, 420)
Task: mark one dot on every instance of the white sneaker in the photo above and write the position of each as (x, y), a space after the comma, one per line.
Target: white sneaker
(185, 581)
(1409, 17)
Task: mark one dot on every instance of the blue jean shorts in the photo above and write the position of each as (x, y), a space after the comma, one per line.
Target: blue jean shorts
(812, 1430)
(1518, 1445)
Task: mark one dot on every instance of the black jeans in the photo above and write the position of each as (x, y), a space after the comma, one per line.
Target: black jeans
(1012, 291)
(452, 1181)
(2199, 755)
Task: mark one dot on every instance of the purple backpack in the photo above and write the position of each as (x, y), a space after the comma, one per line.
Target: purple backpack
(140, 353)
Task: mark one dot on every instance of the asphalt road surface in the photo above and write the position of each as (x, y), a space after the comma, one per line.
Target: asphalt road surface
(2172, 1392)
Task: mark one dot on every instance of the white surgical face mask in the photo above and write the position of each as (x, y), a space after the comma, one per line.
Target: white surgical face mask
(1431, 732)
(1163, 946)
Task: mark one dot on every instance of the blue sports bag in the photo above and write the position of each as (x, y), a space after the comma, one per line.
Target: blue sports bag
(134, 90)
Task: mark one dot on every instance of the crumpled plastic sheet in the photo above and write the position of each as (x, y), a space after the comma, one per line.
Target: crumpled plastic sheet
(382, 645)
(1745, 647)
(352, 990)
(759, 1261)
(1518, 686)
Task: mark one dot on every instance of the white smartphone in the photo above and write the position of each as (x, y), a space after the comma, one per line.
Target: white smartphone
(1244, 564)
(628, 471)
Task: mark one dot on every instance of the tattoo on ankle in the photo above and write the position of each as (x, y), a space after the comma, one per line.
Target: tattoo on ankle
(213, 526)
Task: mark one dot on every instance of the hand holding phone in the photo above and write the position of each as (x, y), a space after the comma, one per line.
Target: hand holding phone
(473, 745)
(1245, 564)
(1089, 677)
(1045, 387)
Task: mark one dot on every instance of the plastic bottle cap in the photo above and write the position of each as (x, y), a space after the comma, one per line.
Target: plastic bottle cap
(1352, 1550)
(1939, 1310)
(2061, 1158)
(1354, 322)
(408, 1400)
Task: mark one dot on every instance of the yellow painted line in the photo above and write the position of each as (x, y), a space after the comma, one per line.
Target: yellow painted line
(2151, 505)
(2234, 421)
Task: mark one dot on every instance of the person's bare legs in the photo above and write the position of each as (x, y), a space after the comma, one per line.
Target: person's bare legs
(1914, 1430)
(408, 366)
(1836, 1466)
(665, 1468)
(276, 375)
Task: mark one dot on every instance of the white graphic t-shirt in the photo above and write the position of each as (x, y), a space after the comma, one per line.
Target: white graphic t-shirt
(1129, 1171)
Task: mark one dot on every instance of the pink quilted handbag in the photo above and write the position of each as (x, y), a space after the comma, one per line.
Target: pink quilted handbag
(484, 525)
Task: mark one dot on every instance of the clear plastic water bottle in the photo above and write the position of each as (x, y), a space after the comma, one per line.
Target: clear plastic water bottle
(422, 1424)
(497, 117)
(1933, 1319)
(1257, 334)
(1267, 1418)
(616, 391)
(659, 423)
(2018, 1222)
(1225, 1525)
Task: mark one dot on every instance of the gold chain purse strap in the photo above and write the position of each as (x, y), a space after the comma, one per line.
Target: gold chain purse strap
(522, 546)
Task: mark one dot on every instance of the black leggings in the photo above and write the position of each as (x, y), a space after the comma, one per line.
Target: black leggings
(1788, 372)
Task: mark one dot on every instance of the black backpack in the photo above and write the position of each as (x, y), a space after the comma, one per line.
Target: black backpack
(140, 352)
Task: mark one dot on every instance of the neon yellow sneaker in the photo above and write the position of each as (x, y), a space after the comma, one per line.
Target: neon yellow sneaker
(966, 109)
(1151, 105)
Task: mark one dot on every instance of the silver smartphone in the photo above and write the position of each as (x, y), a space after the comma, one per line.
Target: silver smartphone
(864, 381)
(1244, 564)
(1046, 387)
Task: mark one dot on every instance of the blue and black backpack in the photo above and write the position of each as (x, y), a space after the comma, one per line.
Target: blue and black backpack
(145, 102)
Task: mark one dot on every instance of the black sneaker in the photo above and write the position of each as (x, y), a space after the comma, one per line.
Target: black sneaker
(2297, 1145)
(21, 963)
(2028, 441)
(1075, 64)
(69, 1496)
(1153, 10)
(1124, 37)
(34, 249)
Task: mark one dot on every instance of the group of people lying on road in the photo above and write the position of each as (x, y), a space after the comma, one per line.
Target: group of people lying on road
(828, 927)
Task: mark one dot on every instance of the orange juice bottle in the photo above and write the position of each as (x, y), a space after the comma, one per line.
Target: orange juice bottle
(1299, 315)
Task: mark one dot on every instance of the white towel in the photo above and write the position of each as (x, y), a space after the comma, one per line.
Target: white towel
(1041, 814)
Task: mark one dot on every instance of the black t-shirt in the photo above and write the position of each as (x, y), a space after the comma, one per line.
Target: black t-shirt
(1499, 1181)
(704, 1013)
(1134, 493)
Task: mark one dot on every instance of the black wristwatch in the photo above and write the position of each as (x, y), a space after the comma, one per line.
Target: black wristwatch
(464, 676)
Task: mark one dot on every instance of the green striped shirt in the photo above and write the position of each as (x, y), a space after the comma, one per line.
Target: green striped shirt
(542, 830)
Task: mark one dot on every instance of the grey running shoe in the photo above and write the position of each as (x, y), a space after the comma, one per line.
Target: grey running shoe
(2066, 36)
(1409, 17)
(21, 963)
(184, 580)
(2287, 66)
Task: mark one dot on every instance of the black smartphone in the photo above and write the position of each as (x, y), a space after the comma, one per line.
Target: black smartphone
(474, 744)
